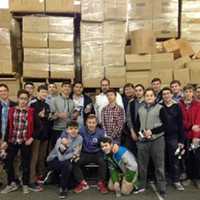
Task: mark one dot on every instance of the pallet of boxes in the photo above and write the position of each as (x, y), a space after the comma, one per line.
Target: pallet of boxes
(103, 37)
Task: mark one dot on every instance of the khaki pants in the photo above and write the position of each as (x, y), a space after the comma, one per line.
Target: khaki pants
(39, 151)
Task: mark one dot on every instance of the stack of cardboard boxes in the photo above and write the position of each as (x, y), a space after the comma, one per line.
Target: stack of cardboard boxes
(48, 47)
(103, 37)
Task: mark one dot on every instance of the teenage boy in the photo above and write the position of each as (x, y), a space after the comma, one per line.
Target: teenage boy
(62, 109)
(66, 151)
(191, 120)
(175, 86)
(174, 136)
(150, 129)
(91, 153)
(101, 100)
(41, 135)
(19, 137)
(113, 117)
(156, 86)
(52, 92)
(30, 88)
(122, 166)
(197, 93)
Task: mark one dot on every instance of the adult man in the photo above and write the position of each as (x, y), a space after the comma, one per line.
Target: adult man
(156, 85)
(175, 86)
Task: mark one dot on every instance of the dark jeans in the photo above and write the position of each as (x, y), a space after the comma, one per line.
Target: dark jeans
(155, 150)
(64, 169)
(25, 161)
(86, 158)
(172, 161)
(54, 137)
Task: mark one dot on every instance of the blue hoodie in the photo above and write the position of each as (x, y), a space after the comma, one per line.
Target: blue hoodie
(91, 141)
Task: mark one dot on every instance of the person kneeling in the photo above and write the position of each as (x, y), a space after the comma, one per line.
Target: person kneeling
(122, 166)
(66, 151)
(91, 153)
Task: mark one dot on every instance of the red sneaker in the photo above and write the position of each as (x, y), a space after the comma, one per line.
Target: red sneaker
(40, 180)
(81, 187)
(102, 187)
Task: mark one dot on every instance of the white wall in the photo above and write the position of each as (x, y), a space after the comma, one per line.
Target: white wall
(4, 3)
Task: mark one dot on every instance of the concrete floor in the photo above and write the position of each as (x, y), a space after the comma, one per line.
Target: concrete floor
(51, 193)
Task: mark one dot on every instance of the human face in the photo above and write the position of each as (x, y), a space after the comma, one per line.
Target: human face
(197, 93)
(188, 94)
(78, 89)
(139, 92)
(111, 97)
(66, 89)
(29, 89)
(73, 131)
(23, 100)
(167, 96)
(91, 124)
(106, 147)
(156, 85)
(176, 88)
(129, 92)
(52, 89)
(42, 94)
(149, 97)
(4, 93)
(105, 86)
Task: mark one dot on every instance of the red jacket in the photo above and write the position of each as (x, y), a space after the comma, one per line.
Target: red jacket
(191, 116)
(10, 136)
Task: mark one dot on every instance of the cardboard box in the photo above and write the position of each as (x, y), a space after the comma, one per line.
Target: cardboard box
(166, 75)
(143, 41)
(139, 77)
(62, 71)
(162, 61)
(183, 75)
(194, 75)
(128, 49)
(138, 62)
(36, 55)
(181, 62)
(61, 25)
(7, 67)
(185, 48)
(60, 40)
(35, 40)
(5, 18)
(27, 5)
(35, 24)
(115, 10)
(5, 37)
(61, 56)
(171, 45)
(39, 70)
(6, 52)
(63, 6)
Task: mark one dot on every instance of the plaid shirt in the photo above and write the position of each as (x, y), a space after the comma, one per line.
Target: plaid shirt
(113, 118)
(20, 126)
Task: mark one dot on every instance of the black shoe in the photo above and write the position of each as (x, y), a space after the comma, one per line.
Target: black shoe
(62, 194)
(163, 194)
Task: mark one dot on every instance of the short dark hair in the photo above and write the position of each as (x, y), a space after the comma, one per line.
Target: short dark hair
(140, 85)
(149, 89)
(105, 79)
(197, 87)
(106, 140)
(156, 80)
(91, 116)
(29, 83)
(72, 124)
(175, 82)
(78, 82)
(188, 87)
(127, 85)
(166, 89)
(5, 86)
(52, 83)
(111, 90)
(22, 91)
(66, 82)
(42, 87)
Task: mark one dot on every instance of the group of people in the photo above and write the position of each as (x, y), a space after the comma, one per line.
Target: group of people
(134, 138)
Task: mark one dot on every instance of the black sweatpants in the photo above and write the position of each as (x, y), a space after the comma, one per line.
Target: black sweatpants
(25, 161)
(86, 158)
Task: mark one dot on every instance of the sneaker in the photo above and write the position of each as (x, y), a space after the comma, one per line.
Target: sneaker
(139, 190)
(25, 189)
(197, 183)
(35, 188)
(62, 194)
(81, 187)
(186, 182)
(10, 188)
(102, 187)
(163, 194)
(40, 180)
(178, 186)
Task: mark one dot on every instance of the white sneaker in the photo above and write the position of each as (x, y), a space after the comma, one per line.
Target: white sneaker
(178, 186)
(25, 189)
(10, 188)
